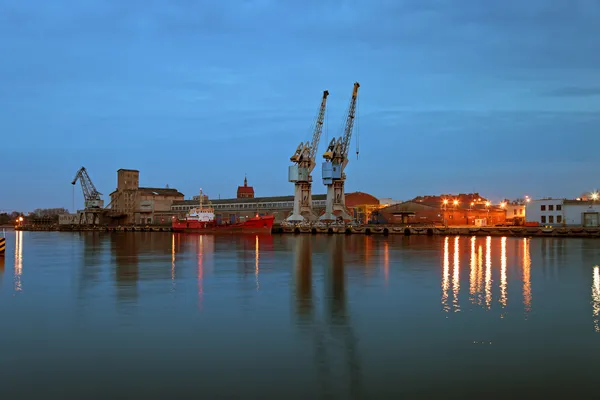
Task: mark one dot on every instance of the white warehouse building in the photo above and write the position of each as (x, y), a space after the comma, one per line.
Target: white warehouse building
(561, 212)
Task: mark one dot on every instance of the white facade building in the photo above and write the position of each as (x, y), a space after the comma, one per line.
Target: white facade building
(560, 212)
(582, 213)
(545, 211)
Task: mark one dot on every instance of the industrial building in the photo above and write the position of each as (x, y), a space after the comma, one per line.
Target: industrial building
(563, 212)
(132, 204)
(245, 205)
(451, 210)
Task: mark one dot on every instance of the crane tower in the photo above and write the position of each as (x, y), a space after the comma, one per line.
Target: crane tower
(300, 172)
(336, 159)
(92, 202)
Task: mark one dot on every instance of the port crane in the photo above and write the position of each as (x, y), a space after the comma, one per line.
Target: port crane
(300, 172)
(336, 159)
(93, 204)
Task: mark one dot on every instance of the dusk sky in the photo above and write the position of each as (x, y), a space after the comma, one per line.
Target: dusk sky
(456, 96)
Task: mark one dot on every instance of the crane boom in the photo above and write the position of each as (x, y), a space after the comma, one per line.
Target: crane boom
(349, 122)
(318, 126)
(90, 194)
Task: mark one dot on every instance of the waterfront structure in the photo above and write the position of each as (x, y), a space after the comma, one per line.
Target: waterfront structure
(359, 204)
(564, 212)
(447, 209)
(132, 204)
(515, 212)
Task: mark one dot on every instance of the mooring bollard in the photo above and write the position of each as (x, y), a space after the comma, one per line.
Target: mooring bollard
(2, 245)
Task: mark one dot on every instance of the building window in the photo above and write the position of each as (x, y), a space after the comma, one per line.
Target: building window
(543, 219)
(514, 212)
(551, 207)
(551, 219)
(558, 207)
(559, 218)
(543, 207)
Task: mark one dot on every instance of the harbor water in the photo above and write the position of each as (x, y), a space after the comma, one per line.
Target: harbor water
(160, 315)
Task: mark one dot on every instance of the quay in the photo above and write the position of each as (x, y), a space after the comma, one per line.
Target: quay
(375, 229)
(516, 231)
(92, 228)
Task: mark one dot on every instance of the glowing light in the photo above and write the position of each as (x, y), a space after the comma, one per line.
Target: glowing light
(445, 275)
(445, 201)
(456, 276)
(503, 204)
(487, 203)
(596, 298)
(526, 276)
(18, 260)
(455, 202)
(488, 272)
(503, 283)
(594, 195)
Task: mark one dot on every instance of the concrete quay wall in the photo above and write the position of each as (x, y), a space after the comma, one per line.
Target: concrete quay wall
(446, 231)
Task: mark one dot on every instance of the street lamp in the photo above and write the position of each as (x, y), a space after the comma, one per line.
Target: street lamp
(487, 206)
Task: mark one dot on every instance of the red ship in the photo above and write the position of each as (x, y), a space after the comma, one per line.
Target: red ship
(202, 220)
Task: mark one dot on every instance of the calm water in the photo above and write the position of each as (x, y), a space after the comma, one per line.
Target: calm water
(96, 315)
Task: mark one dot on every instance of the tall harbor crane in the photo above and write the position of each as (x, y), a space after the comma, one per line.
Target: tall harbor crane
(300, 172)
(336, 159)
(93, 204)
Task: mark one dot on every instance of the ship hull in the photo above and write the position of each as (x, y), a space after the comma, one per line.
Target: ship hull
(253, 225)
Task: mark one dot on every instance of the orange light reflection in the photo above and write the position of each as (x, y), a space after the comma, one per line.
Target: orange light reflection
(256, 262)
(488, 272)
(596, 298)
(473, 271)
(456, 276)
(445, 275)
(386, 261)
(503, 282)
(526, 276)
(18, 260)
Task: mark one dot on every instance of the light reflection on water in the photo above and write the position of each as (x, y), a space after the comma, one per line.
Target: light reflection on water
(297, 316)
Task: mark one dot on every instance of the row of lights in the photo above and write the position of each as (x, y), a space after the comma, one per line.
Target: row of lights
(487, 203)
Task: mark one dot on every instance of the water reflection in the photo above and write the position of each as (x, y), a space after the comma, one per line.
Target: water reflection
(456, 276)
(18, 260)
(488, 272)
(173, 260)
(126, 249)
(482, 270)
(596, 298)
(2, 267)
(445, 275)
(503, 282)
(304, 301)
(337, 322)
(386, 261)
(526, 276)
(256, 260)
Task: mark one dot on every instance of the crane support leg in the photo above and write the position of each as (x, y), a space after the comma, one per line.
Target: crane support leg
(303, 211)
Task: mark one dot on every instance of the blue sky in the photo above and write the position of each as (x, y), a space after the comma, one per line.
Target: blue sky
(456, 96)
